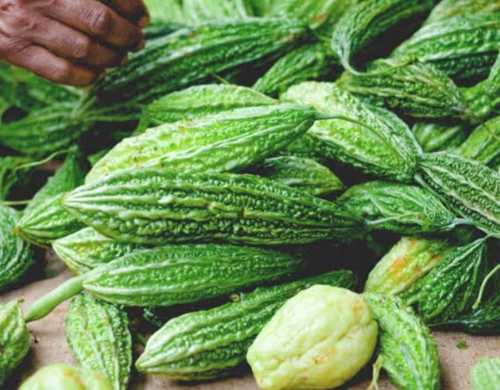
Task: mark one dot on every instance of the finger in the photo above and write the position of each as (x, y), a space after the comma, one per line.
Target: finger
(44, 63)
(131, 9)
(58, 38)
(96, 19)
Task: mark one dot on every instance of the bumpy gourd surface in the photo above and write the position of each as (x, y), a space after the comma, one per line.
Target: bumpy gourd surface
(199, 11)
(309, 62)
(153, 207)
(319, 339)
(436, 137)
(415, 89)
(407, 261)
(208, 344)
(173, 275)
(366, 137)
(448, 8)
(451, 287)
(222, 142)
(62, 376)
(303, 173)
(14, 339)
(198, 101)
(366, 21)
(87, 249)
(314, 12)
(462, 46)
(16, 256)
(483, 144)
(191, 55)
(468, 188)
(407, 350)
(44, 131)
(99, 338)
(485, 374)
(399, 208)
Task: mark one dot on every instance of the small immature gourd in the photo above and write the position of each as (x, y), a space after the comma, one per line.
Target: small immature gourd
(318, 340)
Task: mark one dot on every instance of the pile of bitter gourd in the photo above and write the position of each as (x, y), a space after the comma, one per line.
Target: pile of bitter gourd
(251, 150)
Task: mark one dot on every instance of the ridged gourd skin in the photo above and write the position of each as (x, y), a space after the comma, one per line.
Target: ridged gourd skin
(414, 89)
(437, 137)
(16, 255)
(45, 219)
(44, 131)
(302, 173)
(398, 208)
(483, 319)
(192, 55)
(87, 249)
(483, 144)
(157, 30)
(199, 101)
(156, 207)
(464, 47)
(221, 142)
(365, 137)
(315, 13)
(209, 344)
(366, 21)
(309, 62)
(407, 349)
(467, 187)
(449, 8)
(166, 11)
(485, 374)
(200, 11)
(452, 286)
(172, 275)
(11, 171)
(14, 339)
(99, 338)
(406, 262)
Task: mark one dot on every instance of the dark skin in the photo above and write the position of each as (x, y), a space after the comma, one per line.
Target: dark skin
(70, 41)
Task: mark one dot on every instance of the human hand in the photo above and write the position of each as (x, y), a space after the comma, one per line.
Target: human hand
(69, 41)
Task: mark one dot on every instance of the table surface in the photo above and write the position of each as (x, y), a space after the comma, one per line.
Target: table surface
(49, 346)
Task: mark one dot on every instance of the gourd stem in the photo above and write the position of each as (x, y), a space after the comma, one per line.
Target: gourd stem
(483, 286)
(49, 302)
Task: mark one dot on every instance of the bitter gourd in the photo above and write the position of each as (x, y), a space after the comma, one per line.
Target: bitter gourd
(406, 262)
(201, 11)
(152, 206)
(436, 137)
(303, 173)
(449, 8)
(368, 20)
(99, 338)
(166, 11)
(468, 188)
(45, 219)
(451, 287)
(230, 140)
(315, 12)
(366, 137)
(199, 101)
(12, 169)
(398, 208)
(209, 344)
(309, 62)
(88, 249)
(407, 350)
(485, 374)
(191, 55)
(171, 275)
(14, 339)
(464, 47)
(16, 256)
(483, 144)
(417, 90)
(44, 131)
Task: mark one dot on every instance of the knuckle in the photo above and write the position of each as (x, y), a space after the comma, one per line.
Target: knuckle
(10, 46)
(100, 21)
(81, 47)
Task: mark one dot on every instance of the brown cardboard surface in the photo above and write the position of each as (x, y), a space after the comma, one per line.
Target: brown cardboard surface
(49, 346)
